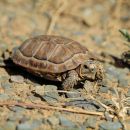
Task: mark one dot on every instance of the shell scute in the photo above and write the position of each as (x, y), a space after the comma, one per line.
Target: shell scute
(50, 54)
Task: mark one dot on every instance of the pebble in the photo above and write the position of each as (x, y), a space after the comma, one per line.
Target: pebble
(17, 78)
(119, 74)
(53, 120)
(51, 94)
(103, 89)
(66, 122)
(24, 126)
(109, 80)
(107, 116)
(73, 94)
(123, 81)
(17, 109)
(40, 90)
(110, 125)
(90, 122)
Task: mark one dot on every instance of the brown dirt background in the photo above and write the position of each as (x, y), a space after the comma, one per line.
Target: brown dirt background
(93, 23)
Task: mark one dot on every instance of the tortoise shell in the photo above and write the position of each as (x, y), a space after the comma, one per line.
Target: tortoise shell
(50, 54)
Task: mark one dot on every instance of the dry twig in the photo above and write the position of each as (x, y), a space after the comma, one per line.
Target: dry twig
(56, 15)
(41, 106)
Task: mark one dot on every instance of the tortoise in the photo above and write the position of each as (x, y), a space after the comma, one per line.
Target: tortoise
(58, 58)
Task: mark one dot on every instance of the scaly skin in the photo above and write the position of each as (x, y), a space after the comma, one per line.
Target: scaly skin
(71, 80)
(90, 70)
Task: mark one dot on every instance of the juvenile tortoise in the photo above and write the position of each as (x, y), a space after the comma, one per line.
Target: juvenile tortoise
(58, 58)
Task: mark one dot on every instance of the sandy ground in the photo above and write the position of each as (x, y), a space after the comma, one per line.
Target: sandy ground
(93, 23)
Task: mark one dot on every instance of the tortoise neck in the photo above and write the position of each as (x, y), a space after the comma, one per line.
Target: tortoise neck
(78, 70)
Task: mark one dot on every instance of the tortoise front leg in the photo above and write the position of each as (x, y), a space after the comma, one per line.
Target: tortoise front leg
(71, 79)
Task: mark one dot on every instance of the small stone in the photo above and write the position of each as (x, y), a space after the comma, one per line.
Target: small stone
(53, 120)
(111, 79)
(24, 126)
(119, 74)
(103, 89)
(107, 116)
(110, 125)
(17, 78)
(123, 82)
(90, 21)
(91, 122)
(40, 90)
(66, 122)
(73, 94)
(51, 94)
(17, 109)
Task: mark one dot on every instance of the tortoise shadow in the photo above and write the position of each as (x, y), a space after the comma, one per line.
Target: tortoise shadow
(13, 69)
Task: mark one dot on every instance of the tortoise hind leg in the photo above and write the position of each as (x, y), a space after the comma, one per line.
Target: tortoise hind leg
(71, 80)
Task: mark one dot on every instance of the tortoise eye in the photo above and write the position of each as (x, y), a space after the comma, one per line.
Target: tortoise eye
(85, 66)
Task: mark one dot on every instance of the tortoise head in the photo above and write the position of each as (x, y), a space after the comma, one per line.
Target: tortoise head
(92, 70)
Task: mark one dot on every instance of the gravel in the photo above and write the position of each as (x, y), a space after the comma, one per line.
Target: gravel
(90, 122)
(66, 122)
(103, 89)
(53, 120)
(24, 126)
(51, 94)
(110, 125)
(73, 94)
(17, 79)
